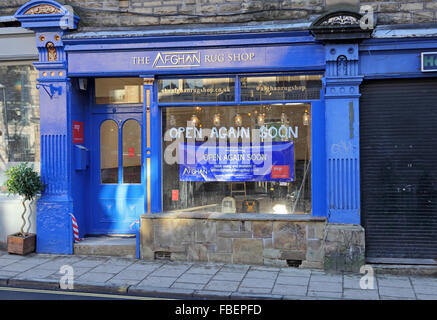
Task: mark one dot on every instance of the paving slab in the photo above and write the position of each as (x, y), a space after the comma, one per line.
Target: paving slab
(320, 277)
(360, 294)
(266, 275)
(89, 263)
(299, 281)
(34, 273)
(422, 289)
(183, 285)
(159, 282)
(97, 277)
(425, 281)
(243, 289)
(289, 290)
(173, 270)
(396, 292)
(207, 269)
(109, 268)
(422, 296)
(222, 285)
(394, 282)
(325, 286)
(17, 267)
(258, 283)
(232, 276)
(8, 274)
(132, 274)
(235, 267)
(5, 262)
(295, 272)
(195, 278)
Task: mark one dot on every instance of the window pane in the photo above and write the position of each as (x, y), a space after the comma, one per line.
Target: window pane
(109, 152)
(196, 90)
(278, 88)
(19, 118)
(237, 158)
(119, 90)
(131, 152)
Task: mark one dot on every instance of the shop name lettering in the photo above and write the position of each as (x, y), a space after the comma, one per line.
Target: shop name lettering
(190, 59)
(231, 132)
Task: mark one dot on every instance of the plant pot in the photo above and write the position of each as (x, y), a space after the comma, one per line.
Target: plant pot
(20, 244)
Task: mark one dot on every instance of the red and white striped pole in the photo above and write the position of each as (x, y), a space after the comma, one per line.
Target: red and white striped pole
(75, 229)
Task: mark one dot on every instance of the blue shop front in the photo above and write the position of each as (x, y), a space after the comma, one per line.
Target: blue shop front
(233, 120)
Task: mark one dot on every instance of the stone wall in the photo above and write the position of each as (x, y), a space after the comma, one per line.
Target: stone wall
(116, 13)
(344, 247)
(259, 239)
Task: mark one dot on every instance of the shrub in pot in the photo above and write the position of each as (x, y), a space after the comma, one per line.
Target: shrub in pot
(26, 183)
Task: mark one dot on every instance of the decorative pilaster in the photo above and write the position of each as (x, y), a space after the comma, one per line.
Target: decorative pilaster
(341, 33)
(48, 20)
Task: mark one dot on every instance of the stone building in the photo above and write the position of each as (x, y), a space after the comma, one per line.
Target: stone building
(292, 133)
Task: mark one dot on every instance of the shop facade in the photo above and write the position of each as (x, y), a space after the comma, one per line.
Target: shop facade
(218, 144)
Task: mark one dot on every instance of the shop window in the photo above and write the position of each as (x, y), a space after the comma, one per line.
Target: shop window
(19, 117)
(109, 152)
(119, 90)
(252, 158)
(284, 87)
(131, 152)
(196, 90)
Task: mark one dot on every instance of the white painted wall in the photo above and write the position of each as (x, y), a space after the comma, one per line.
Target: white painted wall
(10, 218)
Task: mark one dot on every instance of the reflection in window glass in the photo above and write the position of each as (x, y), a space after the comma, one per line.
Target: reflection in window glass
(237, 158)
(276, 88)
(109, 152)
(119, 90)
(131, 152)
(19, 118)
(196, 90)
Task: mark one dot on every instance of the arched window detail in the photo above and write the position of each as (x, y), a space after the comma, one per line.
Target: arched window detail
(131, 152)
(109, 152)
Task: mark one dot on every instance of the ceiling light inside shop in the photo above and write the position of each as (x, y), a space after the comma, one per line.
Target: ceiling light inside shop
(216, 120)
(280, 208)
(194, 120)
(306, 118)
(260, 119)
(238, 120)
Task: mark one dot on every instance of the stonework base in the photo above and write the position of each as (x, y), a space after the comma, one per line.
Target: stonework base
(255, 239)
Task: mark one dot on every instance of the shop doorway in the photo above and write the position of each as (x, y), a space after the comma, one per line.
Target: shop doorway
(398, 172)
(117, 180)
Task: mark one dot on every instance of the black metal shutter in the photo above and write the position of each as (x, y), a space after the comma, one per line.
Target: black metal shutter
(398, 146)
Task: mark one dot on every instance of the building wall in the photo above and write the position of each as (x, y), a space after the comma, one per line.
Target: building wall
(114, 13)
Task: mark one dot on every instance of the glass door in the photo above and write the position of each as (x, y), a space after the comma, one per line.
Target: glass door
(116, 172)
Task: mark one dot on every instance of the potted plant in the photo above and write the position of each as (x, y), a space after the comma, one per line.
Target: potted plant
(26, 183)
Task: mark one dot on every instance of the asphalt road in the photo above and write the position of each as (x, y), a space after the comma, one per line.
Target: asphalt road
(9, 293)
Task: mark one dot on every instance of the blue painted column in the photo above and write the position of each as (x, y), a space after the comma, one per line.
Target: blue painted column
(342, 132)
(53, 220)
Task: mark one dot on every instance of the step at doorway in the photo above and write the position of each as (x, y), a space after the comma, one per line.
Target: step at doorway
(118, 246)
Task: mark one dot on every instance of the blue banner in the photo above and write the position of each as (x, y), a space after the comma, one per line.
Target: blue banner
(272, 161)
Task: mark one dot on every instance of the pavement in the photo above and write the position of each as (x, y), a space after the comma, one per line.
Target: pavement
(185, 280)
